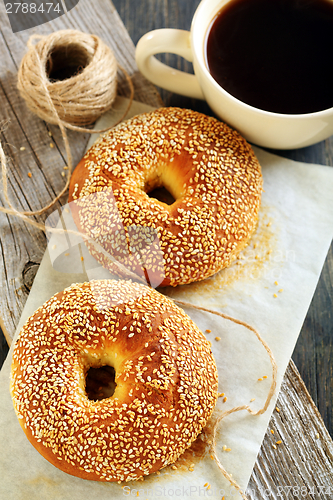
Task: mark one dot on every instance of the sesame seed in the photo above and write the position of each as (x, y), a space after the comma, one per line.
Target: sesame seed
(226, 179)
(82, 432)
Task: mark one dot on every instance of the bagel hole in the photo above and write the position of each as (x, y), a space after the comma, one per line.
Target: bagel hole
(162, 194)
(66, 62)
(100, 382)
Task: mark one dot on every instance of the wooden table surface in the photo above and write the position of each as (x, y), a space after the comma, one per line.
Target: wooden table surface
(313, 354)
(22, 248)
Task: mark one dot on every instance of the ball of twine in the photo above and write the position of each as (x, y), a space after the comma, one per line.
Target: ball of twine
(69, 79)
(79, 98)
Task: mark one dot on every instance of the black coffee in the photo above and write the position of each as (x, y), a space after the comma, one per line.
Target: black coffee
(275, 55)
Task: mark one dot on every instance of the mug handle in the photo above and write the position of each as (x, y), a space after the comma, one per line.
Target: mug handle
(176, 42)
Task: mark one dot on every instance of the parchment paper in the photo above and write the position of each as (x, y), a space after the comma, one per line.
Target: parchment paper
(270, 287)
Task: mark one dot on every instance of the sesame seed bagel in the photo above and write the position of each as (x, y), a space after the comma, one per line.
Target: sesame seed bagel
(211, 172)
(165, 376)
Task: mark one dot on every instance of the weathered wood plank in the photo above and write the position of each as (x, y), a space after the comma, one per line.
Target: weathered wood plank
(21, 244)
(304, 459)
(314, 351)
(21, 247)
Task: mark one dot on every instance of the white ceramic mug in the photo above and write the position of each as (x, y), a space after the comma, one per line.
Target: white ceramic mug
(272, 130)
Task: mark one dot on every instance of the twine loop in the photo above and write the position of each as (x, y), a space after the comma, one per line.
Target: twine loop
(74, 71)
(69, 79)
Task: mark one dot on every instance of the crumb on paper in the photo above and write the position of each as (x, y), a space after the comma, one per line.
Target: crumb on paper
(274, 295)
(260, 379)
(265, 376)
(221, 394)
(51, 145)
(274, 446)
(29, 174)
(217, 338)
(272, 431)
(317, 435)
(208, 331)
(22, 148)
(277, 409)
(225, 399)
(253, 399)
(279, 442)
(276, 283)
(281, 290)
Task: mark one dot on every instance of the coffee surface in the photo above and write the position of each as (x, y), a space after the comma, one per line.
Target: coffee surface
(274, 54)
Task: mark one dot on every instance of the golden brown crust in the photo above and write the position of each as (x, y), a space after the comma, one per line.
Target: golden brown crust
(165, 374)
(210, 170)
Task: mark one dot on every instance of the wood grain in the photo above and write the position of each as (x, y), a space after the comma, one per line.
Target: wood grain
(22, 246)
(313, 354)
(301, 459)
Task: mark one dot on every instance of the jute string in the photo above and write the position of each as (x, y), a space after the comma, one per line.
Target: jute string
(12, 211)
(78, 101)
(237, 408)
(74, 102)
